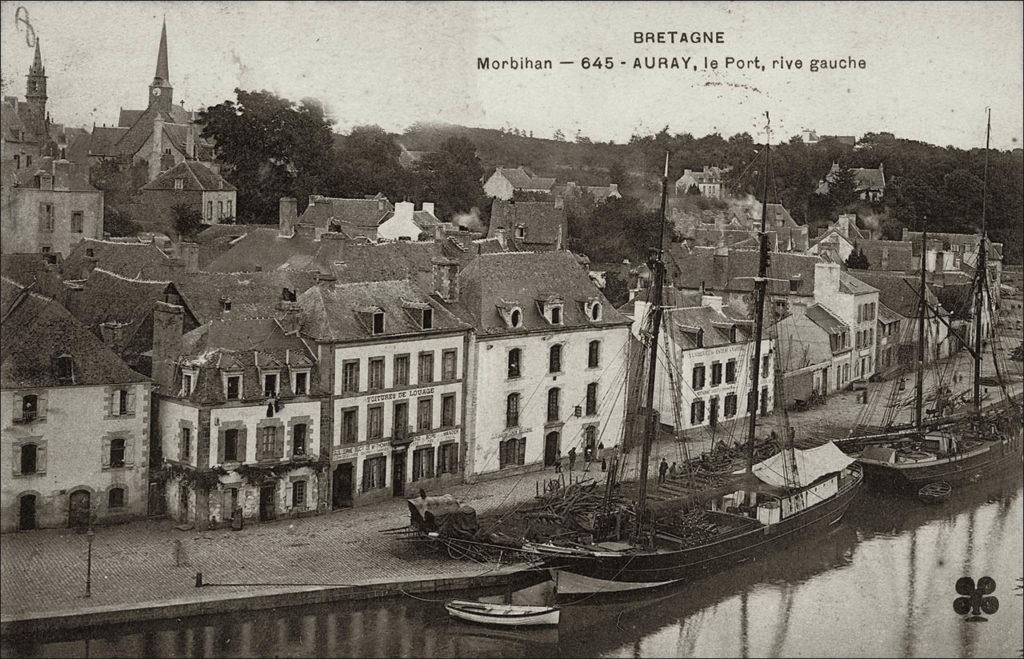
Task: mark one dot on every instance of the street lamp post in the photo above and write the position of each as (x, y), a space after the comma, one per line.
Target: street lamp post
(88, 565)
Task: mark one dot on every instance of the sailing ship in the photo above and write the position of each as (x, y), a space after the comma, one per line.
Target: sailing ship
(772, 503)
(953, 449)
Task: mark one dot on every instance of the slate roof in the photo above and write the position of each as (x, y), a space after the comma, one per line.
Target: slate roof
(36, 330)
(195, 176)
(522, 179)
(801, 343)
(852, 286)
(543, 222)
(217, 232)
(251, 294)
(690, 267)
(134, 260)
(825, 319)
(24, 269)
(71, 176)
(499, 280)
(263, 248)
(364, 213)
(108, 297)
(332, 312)
(103, 140)
(894, 291)
(683, 324)
(968, 239)
(888, 254)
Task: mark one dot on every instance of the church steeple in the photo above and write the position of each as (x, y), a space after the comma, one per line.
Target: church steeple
(35, 97)
(161, 94)
(36, 87)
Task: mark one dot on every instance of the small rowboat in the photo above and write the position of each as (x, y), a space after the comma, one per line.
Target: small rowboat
(505, 615)
(934, 492)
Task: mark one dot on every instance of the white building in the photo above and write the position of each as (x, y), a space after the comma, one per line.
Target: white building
(407, 223)
(239, 419)
(393, 361)
(855, 304)
(74, 421)
(711, 356)
(506, 181)
(549, 359)
(708, 182)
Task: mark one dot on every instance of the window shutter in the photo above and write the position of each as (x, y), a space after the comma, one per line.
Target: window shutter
(41, 406)
(40, 459)
(220, 446)
(19, 401)
(131, 402)
(242, 456)
(278, 442)
(128, 446)
(106, 452)
(16, 461)
(521, 457)
(115, 400)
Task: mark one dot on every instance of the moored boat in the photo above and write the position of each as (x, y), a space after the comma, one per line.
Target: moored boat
(503, 615)
(934, 492)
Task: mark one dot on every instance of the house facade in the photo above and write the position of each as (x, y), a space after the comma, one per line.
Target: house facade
(549, 360)
(407, 223)
(394, 363)
(506, 181)
(191, 184)
(708, 182)
(75, 422)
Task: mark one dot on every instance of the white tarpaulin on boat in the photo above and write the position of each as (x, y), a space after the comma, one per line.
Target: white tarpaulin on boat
(811, 464)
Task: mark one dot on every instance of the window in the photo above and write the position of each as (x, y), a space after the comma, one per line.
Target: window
(378, 322)
(350, 376)
(696, 412)
(401, 420)
(29, 459)
(556, 315)
(514, 361)
(186, 384)
(17, 161)
(270, 385)
(716, 374)
(230, 213)
(426, 367)
(593, 354)
(115, 498)
(299, 439)
(516, 318)
(28, 161)
(448, 363)
(179, 184)
(591, 399)
(234, 387)
(595, 311)
(65, 367)
(555, 359)
(220, 210)
(730, 405)
(77, 221)
(424, 414)
(401, 376)
(730, 371)
(512, 411)
(764, 401)
(732, 334)
(299, 494)
(117, 452)
(349, 426)
(376, 375)
(427, 319)
(29, 407)
(301, 384)
(231, 445)
(225, 304)
(186, 445)
(700, 338)
(554, 396)
(448, 411)
(521, 232)
(512, 452)
(268, 443)
(764, 366)
(698, 377)
(448, 459)
(375, 422)
(373, 473)
(590, 438)
(46, 218)
(423, 463)
(209, 210)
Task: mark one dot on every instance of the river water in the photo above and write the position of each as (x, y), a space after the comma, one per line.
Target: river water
(879, 584)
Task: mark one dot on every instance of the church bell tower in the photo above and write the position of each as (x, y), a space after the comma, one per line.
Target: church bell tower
(35, 96)
(161, 94)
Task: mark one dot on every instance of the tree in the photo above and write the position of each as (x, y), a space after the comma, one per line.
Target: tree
(119, 223)
(615, 289)
(842, 188)
(559, 135)
(451, 177)
(270, 148)
(188, 221)
(617, 174)
(367, 163)
(857, 260)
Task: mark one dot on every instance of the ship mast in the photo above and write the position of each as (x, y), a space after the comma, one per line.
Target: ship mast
(981, 277)
(657, 265)
(760, 284)
(922, 305)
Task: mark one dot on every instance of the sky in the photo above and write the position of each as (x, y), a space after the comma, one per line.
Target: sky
(930, 71)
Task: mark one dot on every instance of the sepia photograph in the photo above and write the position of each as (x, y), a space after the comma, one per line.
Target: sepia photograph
(511, 329)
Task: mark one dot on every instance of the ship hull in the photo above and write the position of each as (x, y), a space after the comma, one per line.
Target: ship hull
(990, 458)
(577, 574)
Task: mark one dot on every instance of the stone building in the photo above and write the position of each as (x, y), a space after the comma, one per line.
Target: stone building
(707, 181)
(190, 184)
(75, 421)
(504, 182)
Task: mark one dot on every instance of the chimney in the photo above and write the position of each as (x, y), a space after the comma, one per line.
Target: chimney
(429, 207)
(189, 253)
(719, 266)
(304, 231)
(72, 296)
(288, 213)
(61, 174)
(613, 189)
(502, 238)
(826, 281)
(167, 330)
(88, 265)
(713, 301)
(560, 201)
(190, 143)
(404, 210)
(327, 278)
(158, 146)
(446, 279)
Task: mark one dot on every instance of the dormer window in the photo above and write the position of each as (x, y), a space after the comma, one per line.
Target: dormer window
(521, 232)
(270, 381)
(233, 387)
(288, 295)
(179, 184)
(378, 322)
(65, 368)
(225, 304)
(794, 284)
(427, 319)
(593, 310)
(516, 318)
(732, 334)
(511, 313)
(300, 382)
(188, 379)
(555, 314)
(90, 252)
(700, 338)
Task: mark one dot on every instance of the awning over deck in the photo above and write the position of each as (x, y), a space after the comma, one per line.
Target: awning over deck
(811, 464)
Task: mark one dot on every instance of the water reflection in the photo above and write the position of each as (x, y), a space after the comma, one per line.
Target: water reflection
(880, 584)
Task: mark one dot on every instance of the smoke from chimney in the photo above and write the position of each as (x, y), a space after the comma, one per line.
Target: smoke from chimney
(470, 220)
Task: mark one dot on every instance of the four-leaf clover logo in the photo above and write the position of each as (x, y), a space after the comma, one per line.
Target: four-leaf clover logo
(976, 598)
